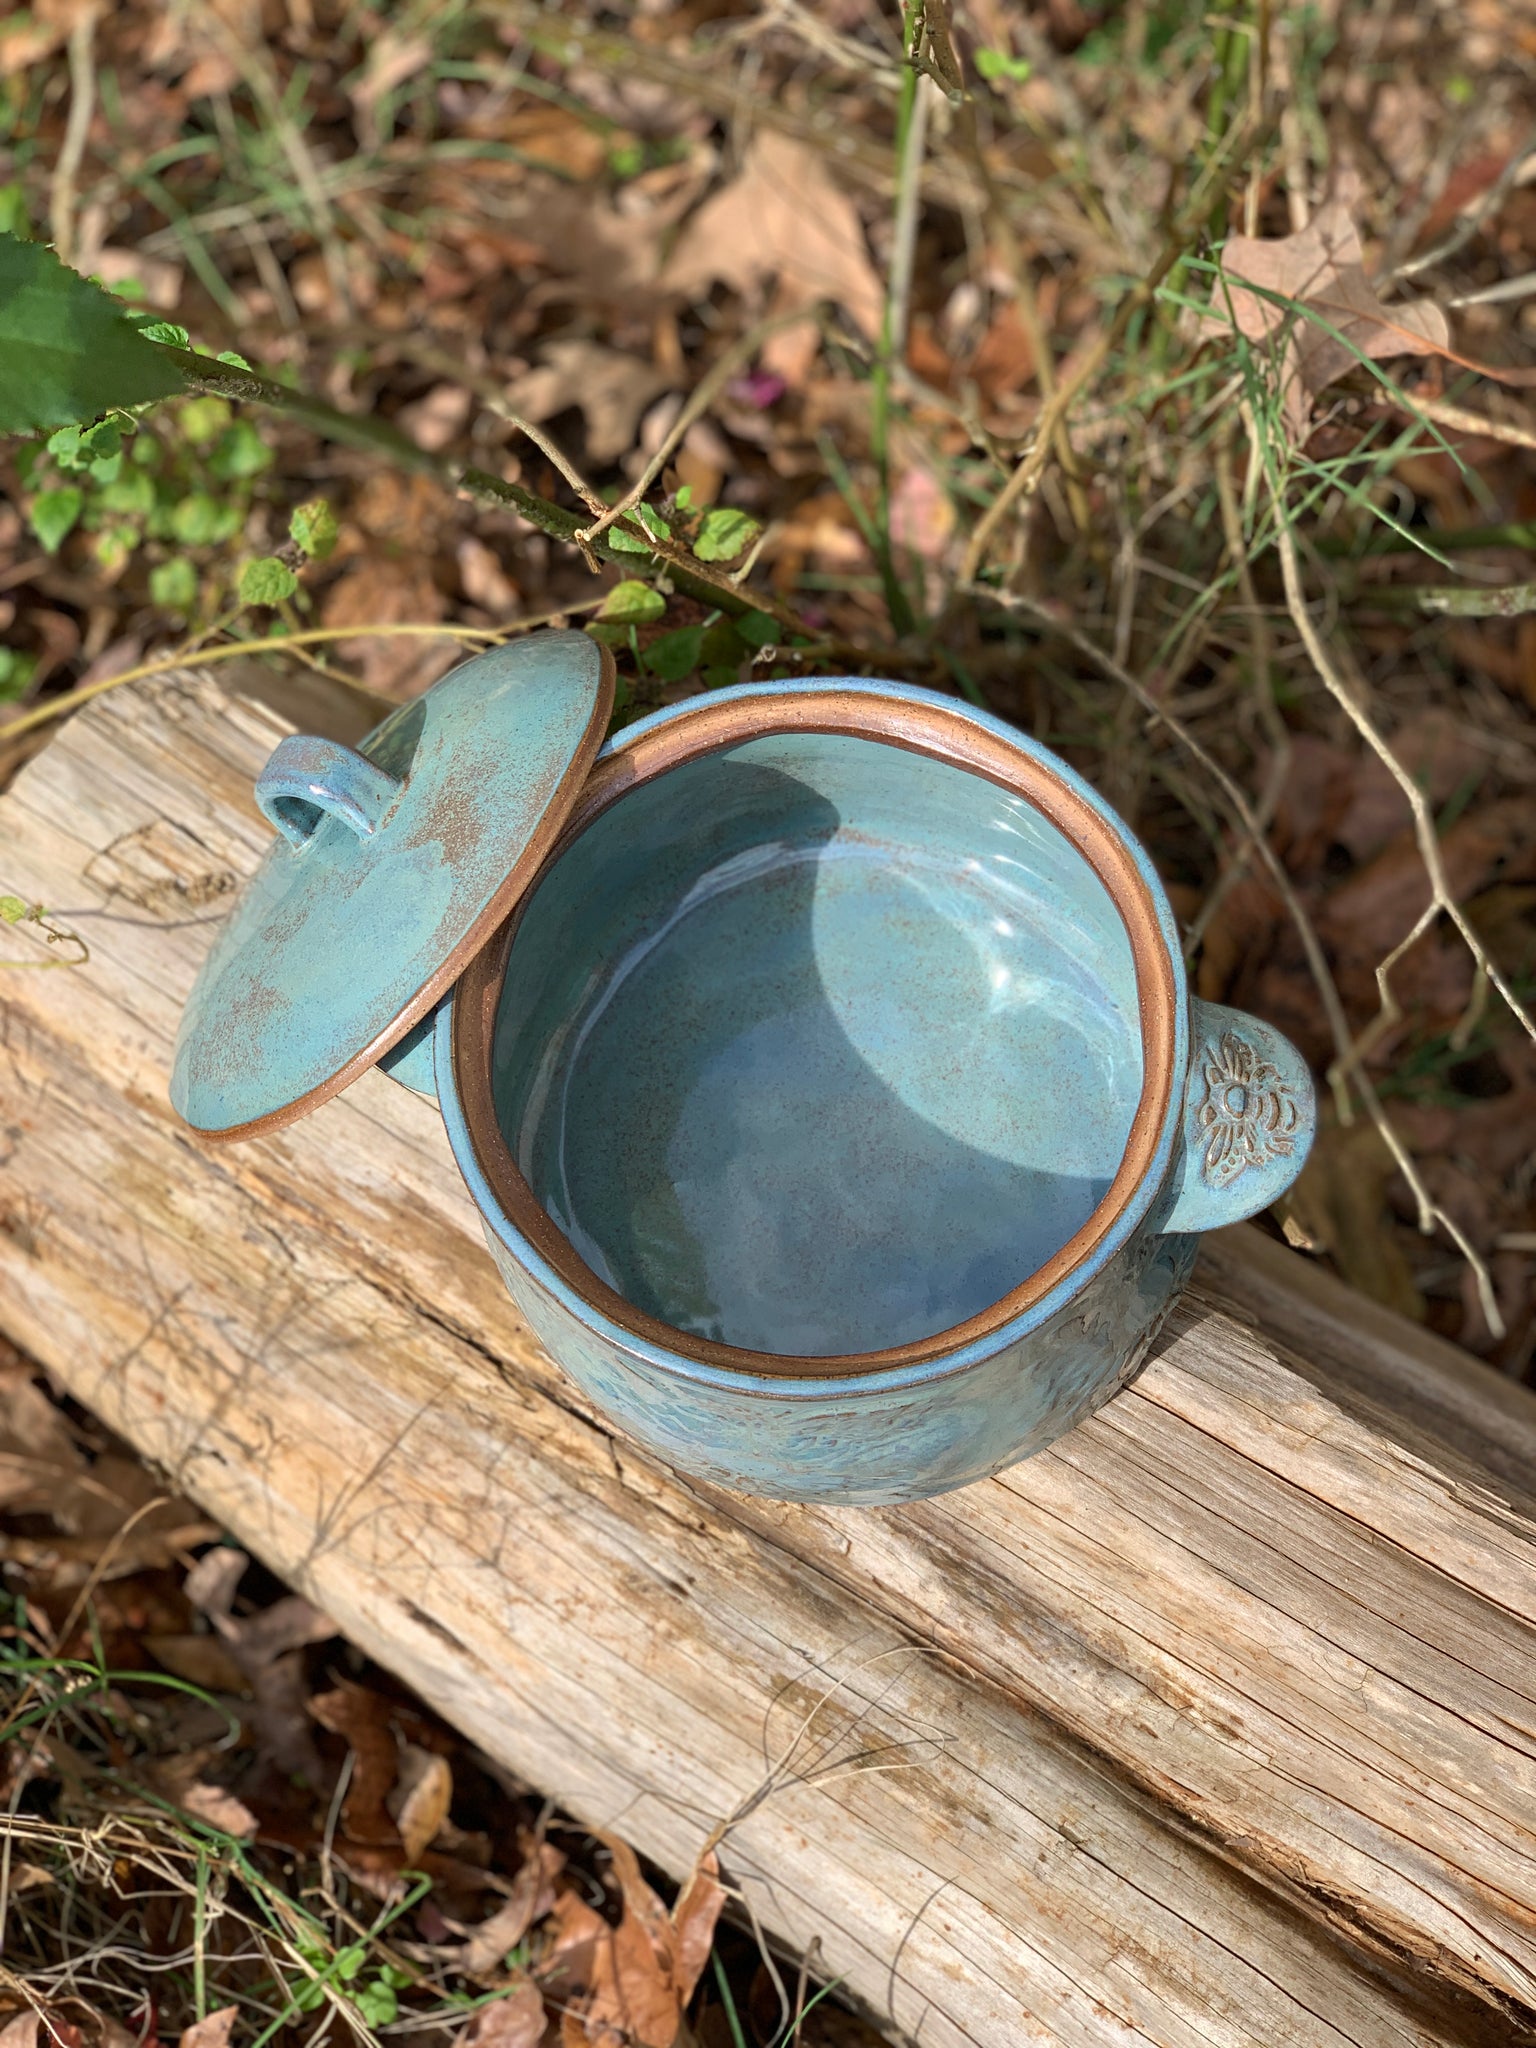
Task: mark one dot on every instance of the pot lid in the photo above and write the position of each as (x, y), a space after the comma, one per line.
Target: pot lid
(394, 864)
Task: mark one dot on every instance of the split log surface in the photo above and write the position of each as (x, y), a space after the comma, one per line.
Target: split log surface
(1216, 1723)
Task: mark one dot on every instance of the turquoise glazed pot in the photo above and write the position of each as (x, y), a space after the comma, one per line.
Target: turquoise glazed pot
(833, 1100)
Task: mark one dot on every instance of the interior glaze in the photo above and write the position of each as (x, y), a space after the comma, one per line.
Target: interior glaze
(816, 1045)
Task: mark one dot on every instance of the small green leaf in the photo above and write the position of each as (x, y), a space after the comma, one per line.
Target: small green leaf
(173, 585)
(166, 331)
(266, 581)
(196, 520)
(723, 532)
(132, 495)
(995, 64)
(313, 528)
(204, 419)
(16, 671)
(67, 350)
(241, 452)
(102, 441)
(12, 910)
(64, 447)
(758, 629)
(113, 546)
(13, 210)
(349, 1961)
(632, 603)
(227, 355)
(675, 655)
(684, 498)
(625, 543)
(54, 513)
(377, 2003)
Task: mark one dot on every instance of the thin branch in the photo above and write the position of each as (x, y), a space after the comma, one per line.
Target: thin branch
(82, 105)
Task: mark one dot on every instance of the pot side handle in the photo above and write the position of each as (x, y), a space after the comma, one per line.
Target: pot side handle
(1250, 1112)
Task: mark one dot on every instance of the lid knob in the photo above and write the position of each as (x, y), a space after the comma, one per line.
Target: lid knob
(308, 778)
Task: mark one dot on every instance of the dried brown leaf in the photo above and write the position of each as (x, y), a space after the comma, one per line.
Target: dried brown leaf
(531, 1897)
(611, 389)
(363, 1718)
(516, 2021)
(266, 1647)
(782, 217)
(421, 1798)
(1322, 270)
(220, 1809)
(21, 2031)
(212, 2032)
(694, 1918)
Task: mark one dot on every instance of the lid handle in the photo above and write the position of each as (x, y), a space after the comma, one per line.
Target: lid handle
(308, 778)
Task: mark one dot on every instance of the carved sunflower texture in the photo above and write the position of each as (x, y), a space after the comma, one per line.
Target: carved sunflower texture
(1247, 1116)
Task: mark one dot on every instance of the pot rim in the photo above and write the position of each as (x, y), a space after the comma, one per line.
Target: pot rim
(972, 741)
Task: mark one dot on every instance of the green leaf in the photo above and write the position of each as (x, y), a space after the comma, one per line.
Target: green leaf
(995, 64)
(349, 1961)
(195, 520)
(113, 546)
(54, 513)
(13, 210)
(173, 585)
(377, 2003)
(313, 528)
(67, 350)
(203, 419)
(166, 331)
(632, 603)
(266, 581)
(133, 495)
(723, 532)
(625, 543)
(758, 629)
(16, 671)
(12, 910)
(227, 355)
(241, 452)
(675, 655)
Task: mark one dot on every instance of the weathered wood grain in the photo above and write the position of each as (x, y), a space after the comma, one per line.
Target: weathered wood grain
(1217, 1723)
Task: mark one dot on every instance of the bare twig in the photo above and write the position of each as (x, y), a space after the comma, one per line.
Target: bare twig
(82, 105)
(705, 392)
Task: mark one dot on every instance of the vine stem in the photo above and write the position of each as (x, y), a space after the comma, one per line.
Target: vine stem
(378, 437)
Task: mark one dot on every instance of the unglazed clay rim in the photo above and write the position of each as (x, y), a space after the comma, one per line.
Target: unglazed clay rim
(930, 729)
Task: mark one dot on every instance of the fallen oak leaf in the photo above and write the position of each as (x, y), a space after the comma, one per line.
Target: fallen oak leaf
(531, 1897)
(781, 217)
(611, 389)
(212, 2032)
(694, 1918)
(266, 1647)
(421, 1798)
(362, 1718)
(516, 2021)
(1319, 271)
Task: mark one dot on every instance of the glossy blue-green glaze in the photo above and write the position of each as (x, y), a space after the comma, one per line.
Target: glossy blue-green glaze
(388, 861)
(817, 1046)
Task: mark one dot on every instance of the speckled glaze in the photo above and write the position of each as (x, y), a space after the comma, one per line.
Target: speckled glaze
(799, 1062)
(819, 1055)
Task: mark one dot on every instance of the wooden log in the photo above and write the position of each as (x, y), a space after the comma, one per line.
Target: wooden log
(1214, 1723)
